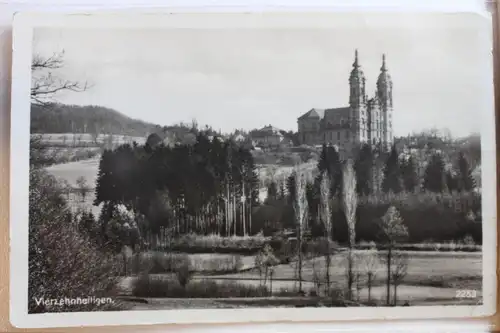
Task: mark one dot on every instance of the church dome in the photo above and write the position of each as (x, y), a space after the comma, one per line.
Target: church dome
(384, 78)
(356, 73)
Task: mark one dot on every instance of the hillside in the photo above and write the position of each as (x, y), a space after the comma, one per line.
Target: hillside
(95, 120)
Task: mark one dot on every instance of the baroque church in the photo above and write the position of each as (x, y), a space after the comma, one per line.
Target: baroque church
(364, 120)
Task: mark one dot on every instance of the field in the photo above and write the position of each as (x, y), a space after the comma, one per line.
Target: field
(86, 139)
(62, 148)
(432, 277)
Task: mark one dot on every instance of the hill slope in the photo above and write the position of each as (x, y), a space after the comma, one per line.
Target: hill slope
(60, 118)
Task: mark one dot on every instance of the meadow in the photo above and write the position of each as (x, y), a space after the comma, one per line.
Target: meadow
(431, 277)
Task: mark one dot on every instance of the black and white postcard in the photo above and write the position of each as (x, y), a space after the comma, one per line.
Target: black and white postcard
(229, 167)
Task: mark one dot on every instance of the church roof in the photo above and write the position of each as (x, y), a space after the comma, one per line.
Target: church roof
(320, 113)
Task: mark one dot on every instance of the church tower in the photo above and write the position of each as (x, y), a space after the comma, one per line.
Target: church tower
(384, 95)
(357, 102)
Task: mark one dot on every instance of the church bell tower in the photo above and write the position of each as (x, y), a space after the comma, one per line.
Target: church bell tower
(384, 94)
(357, 101)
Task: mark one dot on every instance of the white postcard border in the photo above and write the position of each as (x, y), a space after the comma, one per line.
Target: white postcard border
(20, 134)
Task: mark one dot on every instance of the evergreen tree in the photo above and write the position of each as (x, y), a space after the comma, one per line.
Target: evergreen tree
(329, 161)
(106, 184)
(87, 225)
(312, 202)
(364, 170)
(451, 182)
(409, 174)
(465, 180)
(392, 173)
(290, 186)
(282, 193)
(272, 191)
(435, 177)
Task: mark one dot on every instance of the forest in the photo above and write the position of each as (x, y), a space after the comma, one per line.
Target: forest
(90, 119)
(212, 187)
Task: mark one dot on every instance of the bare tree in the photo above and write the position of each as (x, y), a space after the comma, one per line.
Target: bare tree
(264, 262)
(94, 133)
(370, 264)
(326, 218)
(393, 230)
(317, 276)
(44, 84)
(350, 204)
(300, 208)
(399, 271)
(82, 186)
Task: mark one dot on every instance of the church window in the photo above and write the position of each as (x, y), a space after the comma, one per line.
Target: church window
(338, 135)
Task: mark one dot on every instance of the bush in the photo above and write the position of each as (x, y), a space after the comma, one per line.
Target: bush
(63, 263)
(192, 243)
(147, 286)
(161, 262)
(183, 272)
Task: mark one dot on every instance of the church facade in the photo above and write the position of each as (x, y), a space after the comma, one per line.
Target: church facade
(364, 120)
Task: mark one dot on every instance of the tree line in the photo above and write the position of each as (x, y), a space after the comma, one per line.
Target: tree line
(90, 119)
(208, 187)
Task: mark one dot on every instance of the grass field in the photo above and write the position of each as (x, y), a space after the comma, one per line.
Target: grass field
(460, 270)
(433, 278)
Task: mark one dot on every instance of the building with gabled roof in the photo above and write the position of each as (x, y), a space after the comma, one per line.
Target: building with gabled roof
(267, 136)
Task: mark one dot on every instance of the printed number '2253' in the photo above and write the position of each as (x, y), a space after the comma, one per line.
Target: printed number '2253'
(463, 293)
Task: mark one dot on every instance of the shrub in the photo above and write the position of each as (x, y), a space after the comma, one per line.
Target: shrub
(212, 289)
(192, 243)
(63, 263)
(183, 272)
(147, 286)
(165, 262)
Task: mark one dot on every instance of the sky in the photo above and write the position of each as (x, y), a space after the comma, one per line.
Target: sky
(249, 78)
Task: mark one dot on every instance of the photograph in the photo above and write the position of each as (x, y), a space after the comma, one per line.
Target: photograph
(245, 165)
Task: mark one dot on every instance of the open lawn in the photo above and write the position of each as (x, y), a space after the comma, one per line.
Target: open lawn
(70, 172)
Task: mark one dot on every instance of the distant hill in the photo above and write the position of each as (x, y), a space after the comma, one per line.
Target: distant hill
(61, 118)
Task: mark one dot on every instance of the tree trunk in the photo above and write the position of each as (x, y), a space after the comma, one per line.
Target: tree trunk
(300, 258)
(350, 278)
(235, 215)
(395, 294)
(226, 202)
(243, 208)
(271, 284)
(389, 254)
(369, 287)
(265, 276)
(328, 260)
(250, 216)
